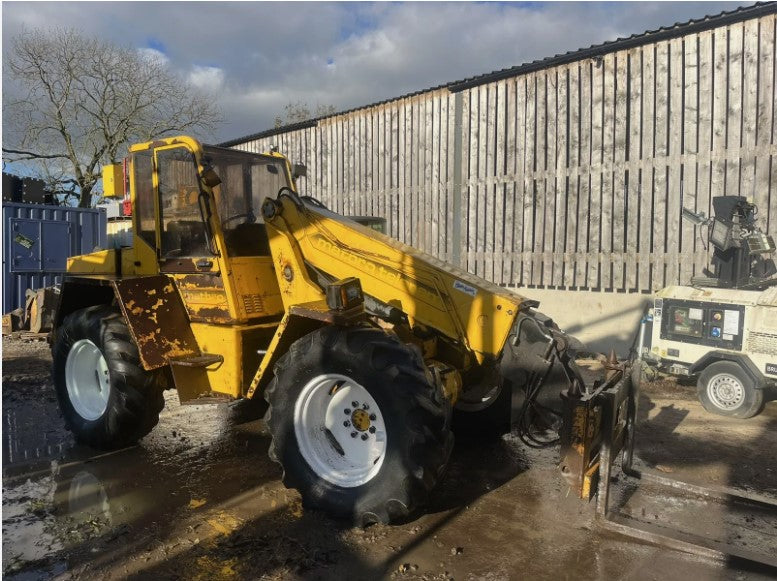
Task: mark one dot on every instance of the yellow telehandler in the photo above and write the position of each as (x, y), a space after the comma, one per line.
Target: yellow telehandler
(370, 354)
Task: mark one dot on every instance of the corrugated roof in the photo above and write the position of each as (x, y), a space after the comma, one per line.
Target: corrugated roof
(664, 33)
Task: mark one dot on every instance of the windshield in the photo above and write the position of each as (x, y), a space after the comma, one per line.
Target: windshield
(246, 180)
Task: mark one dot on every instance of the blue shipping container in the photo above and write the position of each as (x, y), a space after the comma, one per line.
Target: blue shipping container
(37, 241)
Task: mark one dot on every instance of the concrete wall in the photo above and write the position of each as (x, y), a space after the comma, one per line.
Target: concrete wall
(601, 320)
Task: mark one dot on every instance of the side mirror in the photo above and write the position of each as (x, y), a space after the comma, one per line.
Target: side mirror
(299, 170)
(209, 177)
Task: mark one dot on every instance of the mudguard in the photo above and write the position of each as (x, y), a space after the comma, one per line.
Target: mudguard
(739, 358)
(157, 319)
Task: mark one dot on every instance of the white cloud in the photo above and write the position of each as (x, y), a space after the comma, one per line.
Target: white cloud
(208, 78)
(154, 55)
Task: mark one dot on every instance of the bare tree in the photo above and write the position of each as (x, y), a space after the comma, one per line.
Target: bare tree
(75, 102)
(299, 111)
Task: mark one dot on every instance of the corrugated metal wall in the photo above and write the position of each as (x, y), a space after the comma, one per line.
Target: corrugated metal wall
(37, 240)
(568, 177)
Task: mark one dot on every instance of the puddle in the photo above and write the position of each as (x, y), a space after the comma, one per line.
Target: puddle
(21, 445)
(27, 522)
(60, 498)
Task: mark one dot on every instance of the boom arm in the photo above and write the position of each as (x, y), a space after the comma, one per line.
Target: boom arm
(464, 308)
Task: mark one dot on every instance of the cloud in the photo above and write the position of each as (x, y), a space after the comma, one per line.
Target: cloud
(154, 55)
(259, 56)
(208, 78)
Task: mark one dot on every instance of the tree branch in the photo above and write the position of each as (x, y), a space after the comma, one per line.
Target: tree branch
(33, 155)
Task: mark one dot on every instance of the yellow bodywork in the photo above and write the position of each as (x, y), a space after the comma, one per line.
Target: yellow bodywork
(241, 309)
(225, 378)
(100, 262)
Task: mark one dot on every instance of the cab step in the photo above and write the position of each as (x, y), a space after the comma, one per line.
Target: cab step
(201, 360)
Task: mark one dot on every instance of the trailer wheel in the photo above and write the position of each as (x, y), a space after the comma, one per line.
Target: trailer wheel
(107, 399)
(725, 389)
(358, 426)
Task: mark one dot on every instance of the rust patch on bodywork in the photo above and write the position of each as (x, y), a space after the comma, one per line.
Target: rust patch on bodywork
(200, 281)
(157, 319)
(210, 314)
(204, 297)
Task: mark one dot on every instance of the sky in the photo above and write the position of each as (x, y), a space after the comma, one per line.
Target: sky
(256, 57)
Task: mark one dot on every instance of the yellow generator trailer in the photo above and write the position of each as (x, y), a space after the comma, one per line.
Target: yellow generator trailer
(369, 353)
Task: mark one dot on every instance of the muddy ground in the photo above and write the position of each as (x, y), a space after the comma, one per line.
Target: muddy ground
(199, 499)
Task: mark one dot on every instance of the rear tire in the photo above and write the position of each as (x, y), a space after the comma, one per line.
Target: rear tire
(725, 389)
(107, 399)
(338, 389)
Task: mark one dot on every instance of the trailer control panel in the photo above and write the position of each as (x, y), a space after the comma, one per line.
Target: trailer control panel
(701, 323)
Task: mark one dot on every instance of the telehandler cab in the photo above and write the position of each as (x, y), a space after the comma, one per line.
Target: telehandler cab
(369, 353)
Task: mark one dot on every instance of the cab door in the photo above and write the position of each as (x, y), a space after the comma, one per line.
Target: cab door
(185, 244)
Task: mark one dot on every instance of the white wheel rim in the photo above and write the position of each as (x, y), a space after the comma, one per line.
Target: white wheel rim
(88, 379)
(340, 430)
(726, 391)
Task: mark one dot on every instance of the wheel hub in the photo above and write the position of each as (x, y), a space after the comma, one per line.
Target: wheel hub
(360, 420)
(726, 391)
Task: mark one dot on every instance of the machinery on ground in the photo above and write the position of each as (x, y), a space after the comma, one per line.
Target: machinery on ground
(722, 330)
(368, 353)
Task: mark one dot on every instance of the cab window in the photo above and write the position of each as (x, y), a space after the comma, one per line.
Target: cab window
(246, 180)
(145, 212)
(182, 232)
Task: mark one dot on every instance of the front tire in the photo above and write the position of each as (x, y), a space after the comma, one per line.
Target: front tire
(357, 424)
(725, 389)
(107, 399)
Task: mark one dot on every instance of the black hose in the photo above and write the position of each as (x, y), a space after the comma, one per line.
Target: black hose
(531, 410)
(314, 202)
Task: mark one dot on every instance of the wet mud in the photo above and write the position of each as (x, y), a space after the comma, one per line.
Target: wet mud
(199, 499)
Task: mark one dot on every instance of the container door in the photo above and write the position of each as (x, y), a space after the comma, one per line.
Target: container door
(25, 245)
(55, 247)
